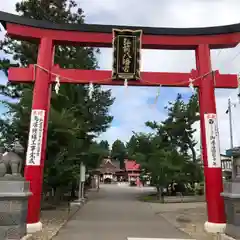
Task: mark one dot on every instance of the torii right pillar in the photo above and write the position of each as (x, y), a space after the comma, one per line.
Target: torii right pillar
(210, 143)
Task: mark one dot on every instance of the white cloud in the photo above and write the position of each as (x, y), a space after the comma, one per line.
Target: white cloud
(132, 110)
(8, 6)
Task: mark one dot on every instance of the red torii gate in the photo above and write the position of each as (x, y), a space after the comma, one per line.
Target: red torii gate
(199, 39)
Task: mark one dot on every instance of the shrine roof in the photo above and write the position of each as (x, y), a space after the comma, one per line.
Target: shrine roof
(108, 164)
(131, 165)
(95, 28)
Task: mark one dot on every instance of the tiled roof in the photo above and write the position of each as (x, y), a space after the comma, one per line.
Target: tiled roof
(108, 166)
(131, 165)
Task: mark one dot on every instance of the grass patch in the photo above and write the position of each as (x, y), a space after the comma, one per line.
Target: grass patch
(153, 198)
(150, 198)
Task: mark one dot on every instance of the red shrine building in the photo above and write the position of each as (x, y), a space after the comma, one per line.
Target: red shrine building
(109, 171)
(132, 169)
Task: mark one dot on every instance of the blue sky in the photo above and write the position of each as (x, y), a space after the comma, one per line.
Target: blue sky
(3, 79)
(133, 105)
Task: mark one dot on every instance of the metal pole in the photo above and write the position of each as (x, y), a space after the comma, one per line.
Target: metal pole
(83, 190)
(239, 88)
(231, 132)
(230, 122)
(80, 184)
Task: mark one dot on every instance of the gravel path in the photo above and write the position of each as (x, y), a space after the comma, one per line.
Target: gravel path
(188, 217)
(116, 213)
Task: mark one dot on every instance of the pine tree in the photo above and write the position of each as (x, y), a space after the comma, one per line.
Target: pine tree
(119, 152)
(75, 120)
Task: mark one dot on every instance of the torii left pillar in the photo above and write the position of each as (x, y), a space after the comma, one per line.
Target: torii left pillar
(40, 105)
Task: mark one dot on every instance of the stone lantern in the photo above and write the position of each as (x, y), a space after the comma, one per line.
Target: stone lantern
(231, 197)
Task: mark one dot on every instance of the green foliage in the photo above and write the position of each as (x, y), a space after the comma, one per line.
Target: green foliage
(74, 119)
(131, 147)
(178, 125)
(105, 147)
(164, 154)
(118, 152)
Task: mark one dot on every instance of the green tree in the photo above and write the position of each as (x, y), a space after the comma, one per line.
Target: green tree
(179, 127)
(160, 162)
(75, 120)
(179, 123)
(118, 152)
(131, 146)
(105, 146)
(96, 154)
(164, 154)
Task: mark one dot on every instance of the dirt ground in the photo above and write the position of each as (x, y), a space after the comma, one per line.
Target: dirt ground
(52, 221)
(189, 217)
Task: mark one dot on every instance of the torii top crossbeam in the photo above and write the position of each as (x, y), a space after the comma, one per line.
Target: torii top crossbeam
(101, 36)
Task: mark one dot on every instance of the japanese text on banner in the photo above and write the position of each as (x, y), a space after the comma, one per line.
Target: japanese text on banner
(35, 138)
(212, 141)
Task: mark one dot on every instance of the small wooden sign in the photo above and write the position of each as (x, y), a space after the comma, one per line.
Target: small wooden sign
(126, 54)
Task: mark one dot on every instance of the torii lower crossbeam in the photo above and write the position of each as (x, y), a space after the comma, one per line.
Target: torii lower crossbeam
(76, 76)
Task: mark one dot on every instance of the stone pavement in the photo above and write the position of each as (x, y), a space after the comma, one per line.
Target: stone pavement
(115, 213)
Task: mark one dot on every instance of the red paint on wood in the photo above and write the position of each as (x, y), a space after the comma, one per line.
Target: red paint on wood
(104, 78)
(213, 176)
(91, 39)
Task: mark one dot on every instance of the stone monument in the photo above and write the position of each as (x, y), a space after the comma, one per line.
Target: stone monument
(14, 193)
(231, 196)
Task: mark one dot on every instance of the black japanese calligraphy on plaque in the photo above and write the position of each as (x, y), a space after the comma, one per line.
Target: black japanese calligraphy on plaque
(126, 54)
(33, 140)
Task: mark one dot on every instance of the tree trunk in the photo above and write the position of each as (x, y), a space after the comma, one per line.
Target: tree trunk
(193, 153)
(73, 190)
(51, 193)
(160, 195)
(194, 157)
(57, 195)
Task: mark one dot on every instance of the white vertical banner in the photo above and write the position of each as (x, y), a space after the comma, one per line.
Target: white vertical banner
(212, 140)
(34, 149)
(82, 172)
